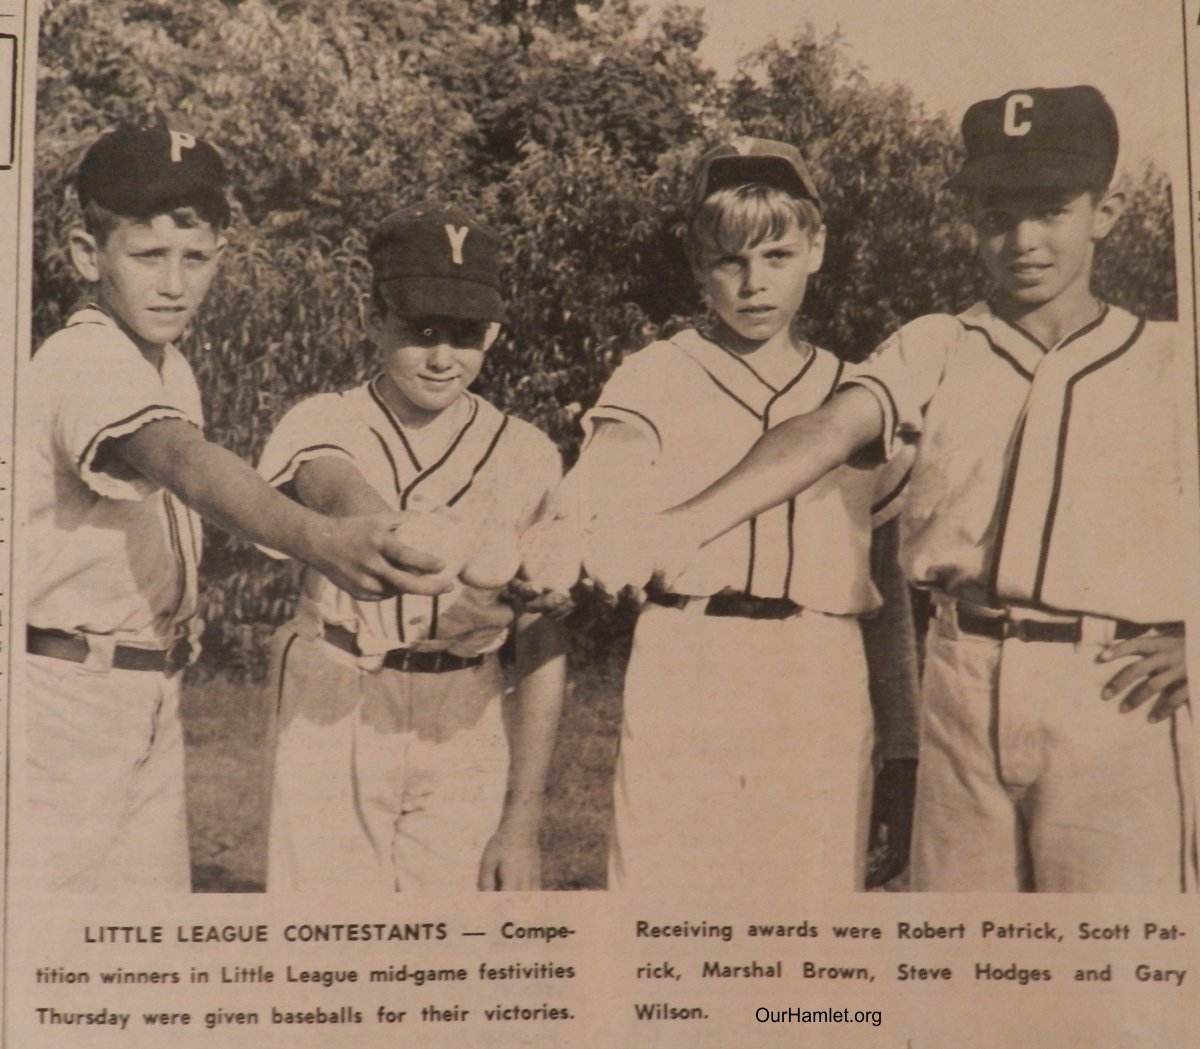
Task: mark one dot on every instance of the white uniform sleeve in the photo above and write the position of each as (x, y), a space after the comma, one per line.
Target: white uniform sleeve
(633, 395)
(315, 428)
(106, 391)
(904, 373)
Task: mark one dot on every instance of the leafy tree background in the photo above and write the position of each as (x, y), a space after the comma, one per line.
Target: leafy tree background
(569, 126)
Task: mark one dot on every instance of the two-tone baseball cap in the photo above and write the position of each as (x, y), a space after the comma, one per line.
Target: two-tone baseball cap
(1039, 137)
(760, 160)
(438, 261)
(141, 172)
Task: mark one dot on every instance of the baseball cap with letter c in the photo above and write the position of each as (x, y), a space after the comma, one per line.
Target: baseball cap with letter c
(1039, 137)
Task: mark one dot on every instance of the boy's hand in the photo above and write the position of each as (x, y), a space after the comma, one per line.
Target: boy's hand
(529, 598)
(511, 863)
(1160, 670)
(891, 821)
(630, 552)
(552, 554)
(367, 557)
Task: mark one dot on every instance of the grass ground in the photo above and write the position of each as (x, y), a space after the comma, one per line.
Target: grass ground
(227, 749)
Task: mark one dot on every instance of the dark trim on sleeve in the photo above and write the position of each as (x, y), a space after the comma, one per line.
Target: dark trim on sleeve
(103, 435)
(893, 495)
(275, 480)
(629, 411)
(892, 424)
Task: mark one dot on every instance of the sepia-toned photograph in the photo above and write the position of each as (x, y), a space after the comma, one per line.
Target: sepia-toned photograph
(715, 471)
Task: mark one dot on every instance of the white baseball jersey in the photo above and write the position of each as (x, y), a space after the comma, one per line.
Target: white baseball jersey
(1038, 473)
(1047, 480)
(496, 471)
(109, 552)
(112, 556)
(383, 778)
(743, 736)
(702, 407)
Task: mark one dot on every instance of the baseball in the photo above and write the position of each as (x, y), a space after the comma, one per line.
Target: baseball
(438, 534)
(495, 560)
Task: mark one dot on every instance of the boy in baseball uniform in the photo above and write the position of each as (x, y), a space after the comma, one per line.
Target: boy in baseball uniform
(400, 763)
(119, 476)
(1045, 514)
(747, 748)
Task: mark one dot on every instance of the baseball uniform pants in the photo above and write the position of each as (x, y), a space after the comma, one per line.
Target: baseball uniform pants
(386, 780)
(1030, 781)
(745, 755)
(106, 807)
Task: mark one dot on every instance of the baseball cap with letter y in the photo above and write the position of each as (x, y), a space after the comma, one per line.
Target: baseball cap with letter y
(433, 260)
(1039, 137)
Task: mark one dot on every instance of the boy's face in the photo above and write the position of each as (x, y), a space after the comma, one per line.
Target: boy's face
(430, 361)
(1037, 244)
(151, 276)
(757, 290)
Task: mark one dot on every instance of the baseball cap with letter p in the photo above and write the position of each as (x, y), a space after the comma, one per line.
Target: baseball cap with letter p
(141, 172)
(746, 160)
(1039, 137)
(438, 261)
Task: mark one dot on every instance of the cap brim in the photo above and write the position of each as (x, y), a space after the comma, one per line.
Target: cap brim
(1031, 170)
(444, 297)
(156, 197)
(739, 170)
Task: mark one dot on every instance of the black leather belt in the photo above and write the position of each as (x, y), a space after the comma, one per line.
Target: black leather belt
(731, 603)
(58, 644)
(1002, 626)
(404, 659)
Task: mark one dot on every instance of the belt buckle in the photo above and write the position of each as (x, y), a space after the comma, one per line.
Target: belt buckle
(178, 656)
(1017, 628)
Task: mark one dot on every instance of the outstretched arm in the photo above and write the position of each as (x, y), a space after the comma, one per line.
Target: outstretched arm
(512, 859)
(359, 554)
(784, 461)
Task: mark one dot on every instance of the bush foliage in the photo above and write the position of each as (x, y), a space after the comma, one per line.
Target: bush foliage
(570, 126)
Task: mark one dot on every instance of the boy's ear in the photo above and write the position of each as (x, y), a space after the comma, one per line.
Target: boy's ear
(370, 317)
(816, 249)
(493, 333)
(1109, 208)
(85, 253)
